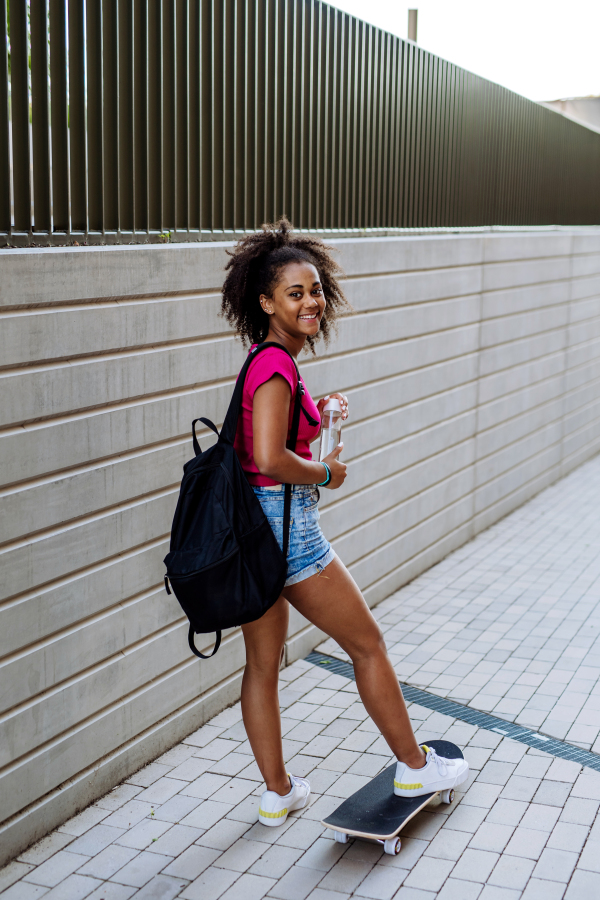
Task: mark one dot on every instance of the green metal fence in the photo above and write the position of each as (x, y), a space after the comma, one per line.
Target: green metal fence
(136, 120)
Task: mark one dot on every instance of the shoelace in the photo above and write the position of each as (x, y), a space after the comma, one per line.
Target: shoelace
(439, 761)
(301, 782)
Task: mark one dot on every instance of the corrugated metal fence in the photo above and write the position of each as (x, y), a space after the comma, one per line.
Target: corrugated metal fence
(154, 119)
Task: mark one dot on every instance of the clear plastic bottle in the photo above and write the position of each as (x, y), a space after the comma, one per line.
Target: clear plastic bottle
(331, 427)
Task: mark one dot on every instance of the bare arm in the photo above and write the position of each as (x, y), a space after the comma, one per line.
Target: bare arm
(270, 417)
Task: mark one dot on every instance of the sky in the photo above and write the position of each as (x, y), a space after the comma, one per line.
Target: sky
(543, 50)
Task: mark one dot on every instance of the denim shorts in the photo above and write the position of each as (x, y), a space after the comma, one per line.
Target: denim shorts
(309, 551)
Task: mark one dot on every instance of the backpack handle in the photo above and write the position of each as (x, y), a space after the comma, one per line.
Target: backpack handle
(207, 422)
(195, 650)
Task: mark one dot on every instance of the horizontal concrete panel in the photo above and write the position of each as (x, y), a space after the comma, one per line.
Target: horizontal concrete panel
(407, 545)
(579, 357)
(542, 478)
(379, 529)
(581, 310)
(39, 614)
(578, 418)
(508, 247)
(373, 364)
(588, 451)
(35, 336)
(94, 781)
(515, 477)
(521, 375)
(89, 273)
(509, 356)
(370, 256)
(79, 545)
(582, 396)
(382, 395)
(513, 455)
(587, 264)
(534, 271)
(518, 300)
(527, 398)
(492, 441)
(59, 710)
(360, 507)
(582, 444)
(94, 639)
(384, 291)
(522, 325)
(585, 241)
(385, 326)
(585, 287)
(580, 332)
(59, 445)
(26, 395)
(405, 420)
(90, 383)
(66, 497)
(41, 771)
(420, 562)
(386, 461)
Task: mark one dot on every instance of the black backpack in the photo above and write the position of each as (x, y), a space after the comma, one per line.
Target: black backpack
(225, 565)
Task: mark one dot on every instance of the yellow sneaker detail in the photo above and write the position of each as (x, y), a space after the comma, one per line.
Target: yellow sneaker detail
(273, 815)
(438, 774)
(274, 809)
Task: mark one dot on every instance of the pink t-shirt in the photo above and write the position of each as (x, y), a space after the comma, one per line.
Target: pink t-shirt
(268, 363)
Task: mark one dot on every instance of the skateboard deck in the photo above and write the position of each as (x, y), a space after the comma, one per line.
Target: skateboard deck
(375, 813)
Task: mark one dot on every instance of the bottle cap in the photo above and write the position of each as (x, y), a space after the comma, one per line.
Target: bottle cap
(332, 405)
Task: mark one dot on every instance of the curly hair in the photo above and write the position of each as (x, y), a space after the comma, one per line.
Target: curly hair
(254, 269)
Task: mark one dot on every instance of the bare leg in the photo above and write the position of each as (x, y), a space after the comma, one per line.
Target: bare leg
(264, 641)
(333, 602)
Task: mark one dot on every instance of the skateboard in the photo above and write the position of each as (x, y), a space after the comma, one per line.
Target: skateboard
(374, 812)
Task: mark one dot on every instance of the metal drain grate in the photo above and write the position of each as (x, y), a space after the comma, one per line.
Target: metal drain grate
(472, 716)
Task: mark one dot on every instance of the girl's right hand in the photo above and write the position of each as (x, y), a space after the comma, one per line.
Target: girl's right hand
(338, 469)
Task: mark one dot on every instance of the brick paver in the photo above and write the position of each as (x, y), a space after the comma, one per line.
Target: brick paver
(507, 624)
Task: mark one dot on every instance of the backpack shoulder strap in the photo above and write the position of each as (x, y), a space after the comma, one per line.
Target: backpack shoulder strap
(231, 419)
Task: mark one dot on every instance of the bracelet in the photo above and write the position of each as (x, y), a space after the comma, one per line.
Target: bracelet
(328, 478)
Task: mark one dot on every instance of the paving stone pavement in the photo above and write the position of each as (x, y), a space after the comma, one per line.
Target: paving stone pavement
(508, 624)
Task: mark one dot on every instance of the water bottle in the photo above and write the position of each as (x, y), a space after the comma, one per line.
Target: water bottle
(331, 427)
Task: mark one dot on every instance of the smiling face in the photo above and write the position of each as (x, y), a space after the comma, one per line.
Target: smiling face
(297, 303)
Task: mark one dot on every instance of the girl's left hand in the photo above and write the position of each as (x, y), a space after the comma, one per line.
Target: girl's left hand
(343, 403)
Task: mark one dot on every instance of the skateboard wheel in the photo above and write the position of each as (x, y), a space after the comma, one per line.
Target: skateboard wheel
(341, 837)
(392, 846)
(447, 796)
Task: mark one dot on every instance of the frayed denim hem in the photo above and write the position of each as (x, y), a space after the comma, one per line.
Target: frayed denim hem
(314, 569)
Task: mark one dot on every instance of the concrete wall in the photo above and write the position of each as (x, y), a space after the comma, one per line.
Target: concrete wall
(472, 364)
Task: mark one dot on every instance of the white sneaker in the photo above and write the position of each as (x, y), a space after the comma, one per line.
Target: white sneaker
(274, 808)
(438, 774)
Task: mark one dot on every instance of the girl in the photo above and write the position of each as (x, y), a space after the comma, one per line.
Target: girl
(283, 287)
